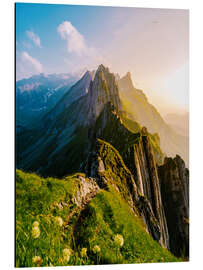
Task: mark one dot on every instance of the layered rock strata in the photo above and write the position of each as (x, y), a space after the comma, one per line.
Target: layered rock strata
(174, 179)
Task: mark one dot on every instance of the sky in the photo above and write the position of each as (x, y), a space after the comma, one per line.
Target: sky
(153, 44)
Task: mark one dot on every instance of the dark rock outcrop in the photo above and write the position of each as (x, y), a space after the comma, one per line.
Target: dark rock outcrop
(152, 224)
(174, 179)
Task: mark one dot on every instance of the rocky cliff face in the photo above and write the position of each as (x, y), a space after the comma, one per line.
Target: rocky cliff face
(87, 189)
(103, 89)
(148, 182)
(174, 179)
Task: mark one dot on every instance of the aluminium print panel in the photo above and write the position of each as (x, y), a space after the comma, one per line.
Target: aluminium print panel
(102, 155)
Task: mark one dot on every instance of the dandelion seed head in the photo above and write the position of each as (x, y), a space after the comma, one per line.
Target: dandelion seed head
(96, 249)
(67, 251)
(118, 240)
(59, 221)
(66, 254)
(35, 224)
(83, 252)
(66, 258)
(35, 232)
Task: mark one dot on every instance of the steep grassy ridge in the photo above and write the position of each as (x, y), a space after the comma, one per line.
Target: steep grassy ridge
(52, 230)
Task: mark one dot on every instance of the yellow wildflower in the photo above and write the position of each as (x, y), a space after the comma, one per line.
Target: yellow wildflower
(37, 260)
(96, 249)
(83, 252)
(35, 232)
(118, 240)
(59, 221)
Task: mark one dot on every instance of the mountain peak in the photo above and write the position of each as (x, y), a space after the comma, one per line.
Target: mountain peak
(103, 70)
(126, 82)
(103, 89)
(128, 75)
(87, 74)
(101, 67)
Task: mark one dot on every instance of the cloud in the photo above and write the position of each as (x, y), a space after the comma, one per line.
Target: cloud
(35, 38)
(26, 65)
(32, 61)
(81, 53)
(75, 41)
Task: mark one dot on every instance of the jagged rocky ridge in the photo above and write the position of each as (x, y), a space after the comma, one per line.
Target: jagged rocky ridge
(90, 135)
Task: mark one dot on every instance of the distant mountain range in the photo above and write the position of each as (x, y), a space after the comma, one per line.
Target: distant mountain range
(104, 127)
(40, 93)
(179, 122)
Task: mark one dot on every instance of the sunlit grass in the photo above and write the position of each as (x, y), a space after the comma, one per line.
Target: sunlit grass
(106, 231)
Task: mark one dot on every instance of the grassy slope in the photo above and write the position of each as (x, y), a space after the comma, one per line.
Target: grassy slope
(39, 199)
(109, 215)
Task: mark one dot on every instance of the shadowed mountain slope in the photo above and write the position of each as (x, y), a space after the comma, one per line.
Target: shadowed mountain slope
(38, 94)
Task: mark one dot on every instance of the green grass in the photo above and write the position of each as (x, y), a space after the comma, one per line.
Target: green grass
(116, 172)
(131, 125)
(108, 215)
(43, 200)
(39, 199)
